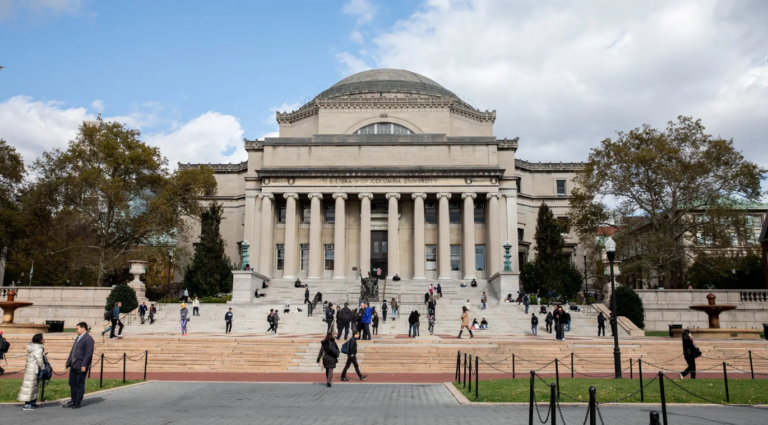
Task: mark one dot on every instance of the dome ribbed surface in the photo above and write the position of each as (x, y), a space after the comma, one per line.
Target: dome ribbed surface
(386, 81)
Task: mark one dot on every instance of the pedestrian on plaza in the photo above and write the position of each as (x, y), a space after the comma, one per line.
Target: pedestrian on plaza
(353, 324)
(439, 291)
(152, 311)
(552, 299)
(366, 321)
(483, 324)
(338, 324)
(484, 300)
(196, 307)
(465, 322)
(142, 312)
(306, 295)
(548, 320)
(556, 317)
(600, 324)
(30, 383)
(431, 322)
(186, 295)
(351, 349)
(375, 323)
(343, 319)
(228, 320)
(269, 320)
(431, 290)
(474, 283)
(184, 319)
(538, 297)
(384, 310)
(393, 304)
(418, 323)
(690, 353)
(329, 318)
(412, 324)
(329, 353)
(526, 302)
(396, 278)
(4, 346)
(475, 325)
(612, 322)
(534, 324)
(567, 322)
(565, 319)
(431, 306)
(116, 322)
(275, 321)
(78, 363)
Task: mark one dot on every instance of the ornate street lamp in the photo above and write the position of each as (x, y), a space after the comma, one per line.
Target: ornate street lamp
(586, 294)
(610, 250)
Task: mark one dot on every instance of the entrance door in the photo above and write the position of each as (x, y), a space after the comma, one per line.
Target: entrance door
(379, 253)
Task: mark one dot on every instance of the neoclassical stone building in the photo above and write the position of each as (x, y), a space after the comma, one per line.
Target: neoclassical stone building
(386, 169)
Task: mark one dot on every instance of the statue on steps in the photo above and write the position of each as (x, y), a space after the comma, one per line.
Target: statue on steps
(369, 288)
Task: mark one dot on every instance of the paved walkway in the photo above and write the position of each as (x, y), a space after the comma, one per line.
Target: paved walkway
(306, 404)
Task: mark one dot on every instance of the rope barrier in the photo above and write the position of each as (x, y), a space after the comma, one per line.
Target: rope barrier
(549, 411)
(762, 403)
(631, 395)
(561, 391)
(724, 359)
(742, 370)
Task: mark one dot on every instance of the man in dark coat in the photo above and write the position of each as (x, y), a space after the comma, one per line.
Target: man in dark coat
(78, 362)
(329, 317)
(306, 295)
(352, 358)
(345, 316)
(600, 324)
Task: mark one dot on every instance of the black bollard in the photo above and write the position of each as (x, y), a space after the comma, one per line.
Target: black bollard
(571, 364)
(457, 375)
(513, 366)
(751, 369)
(725, 379)
(553, 404)
(101, 374)
(477, 378)
(592, 406)
(124, 357)
(470, 373)
(465, 370)
(640, 371)
(654, 418)
(531, 395)
(557, 378)
(630, 368)
(146, 358)
(663, 397)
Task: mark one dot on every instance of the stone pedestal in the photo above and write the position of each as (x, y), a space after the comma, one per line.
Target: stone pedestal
(504, 283)
(701, 333)
(244, 285)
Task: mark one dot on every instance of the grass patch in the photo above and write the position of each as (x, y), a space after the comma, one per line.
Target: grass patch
(204, 300)
(657, 333)
(742, 391)
(56, 389)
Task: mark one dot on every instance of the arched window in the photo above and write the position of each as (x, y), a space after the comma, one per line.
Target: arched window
(384, 128)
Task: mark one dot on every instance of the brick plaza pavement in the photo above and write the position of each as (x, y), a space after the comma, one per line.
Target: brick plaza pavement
(192, 403)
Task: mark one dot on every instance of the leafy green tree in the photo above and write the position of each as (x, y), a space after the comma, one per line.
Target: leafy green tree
(727, 271)
(124, 294)
(12, 174)
(211, 270)
(630, 305)
(667, 188)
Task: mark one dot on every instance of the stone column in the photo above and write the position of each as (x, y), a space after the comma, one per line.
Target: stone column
(256, 235)
(315, 240)
(339, 235)
(267, 231)
(250, 212)
(444, 238)
(512, 228)
(393, 236)
(291, 238)
(494, 244)
(418, 236)
(468, 235)
(365, 233)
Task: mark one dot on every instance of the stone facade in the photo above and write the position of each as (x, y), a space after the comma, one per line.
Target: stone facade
(431, 194)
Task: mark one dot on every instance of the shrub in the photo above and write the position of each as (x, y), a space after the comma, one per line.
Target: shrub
(124, 294)
(629, 305)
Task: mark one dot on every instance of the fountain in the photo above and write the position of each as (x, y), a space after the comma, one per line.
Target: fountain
(714, 331)
(9, 308)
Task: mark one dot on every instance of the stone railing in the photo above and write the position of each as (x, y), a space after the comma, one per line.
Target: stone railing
(754, 296)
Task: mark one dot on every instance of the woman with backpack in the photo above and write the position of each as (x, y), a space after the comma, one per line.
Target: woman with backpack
(31, 381)
(690, 353)
(184, 319)
(329, 353)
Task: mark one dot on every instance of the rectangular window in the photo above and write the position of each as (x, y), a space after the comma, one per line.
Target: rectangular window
(454, 212)
(430, 213)
(383, 247)
(519, 185)
(280, 256)
(561, 188)
(480, 212)
(455, 257)
(329, 256)
(520, 234)
(305, 256)
(330, 213)
(375, 247)
(479, 257)
(281, 212)
(521, 258)
(431, 257)
(306, 212)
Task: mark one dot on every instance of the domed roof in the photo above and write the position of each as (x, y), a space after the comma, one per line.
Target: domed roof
(387, 81)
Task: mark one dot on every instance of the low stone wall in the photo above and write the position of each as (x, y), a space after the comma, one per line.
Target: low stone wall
(244, 285)
(666, 307)
(70, 304)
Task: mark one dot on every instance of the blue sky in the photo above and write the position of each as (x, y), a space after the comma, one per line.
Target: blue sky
(198, 76)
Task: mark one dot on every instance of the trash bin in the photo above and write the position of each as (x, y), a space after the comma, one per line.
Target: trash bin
(55, 326)
(765, 330)
(674, 327)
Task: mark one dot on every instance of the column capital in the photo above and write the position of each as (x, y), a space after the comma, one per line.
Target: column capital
(493, 195)
(315, 195)
(465, 195)
(365, 195)
(509, 192)
(340, 195)
(396, 195)
(418, 195)
(291, 195)
(267, 195)
(446, 195)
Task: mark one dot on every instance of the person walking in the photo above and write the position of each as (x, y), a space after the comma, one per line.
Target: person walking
(526, 302)
(196, 307)
(412, 324)
(275, 322)
(351, 350)
(417, 316)
(465, 322)
(30, 382)
(152, 311)
(534, 324)
(612, 322)
(484, 300)
(439, 291)
(690, 353)
(228, 320)
(431, 322)
(115, 322)
(548, 320)
(384, 311)
(538, 297)
(78, 363)
(343, 318)
(431, 290)
(366, 321)
(393, 304)
(329, 354)
(184, 319)
(269, 320)
(329, 313)
(142, 312)
(4, 346)
(566, 322)
(600, 324)
(556, 317)
(306, 295)
(186, 295)
(375, 323)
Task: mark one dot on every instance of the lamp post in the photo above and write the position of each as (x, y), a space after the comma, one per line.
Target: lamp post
(170, 260)
(586, 294)
(610, 250)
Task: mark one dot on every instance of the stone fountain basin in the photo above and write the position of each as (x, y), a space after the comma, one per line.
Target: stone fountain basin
(717, 308)
(14, 304)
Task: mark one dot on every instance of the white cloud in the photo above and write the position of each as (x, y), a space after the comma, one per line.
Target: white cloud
(363, 10)
(38, 8)
(565, 75)
(356, 37)
(98, 105)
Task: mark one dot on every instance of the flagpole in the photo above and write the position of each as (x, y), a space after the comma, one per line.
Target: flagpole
(32, 270)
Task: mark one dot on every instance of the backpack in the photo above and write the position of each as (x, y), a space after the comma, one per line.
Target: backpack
(46, 372)
(4, 346)
(345, 348)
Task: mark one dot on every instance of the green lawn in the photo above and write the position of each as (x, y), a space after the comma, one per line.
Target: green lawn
(56, 389)
(657, 333)
(742, 391)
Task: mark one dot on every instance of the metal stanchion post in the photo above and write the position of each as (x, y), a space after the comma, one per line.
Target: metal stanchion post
(465, 370)
(663, 398)
(146, 357)
(553, 404)
(725, 379)
(477, 378)
(531, 395)
(457, 375)
(101, 374)
(751, 369)
(557, 377)
(640, 368)
(592, 406)
(124, 357)
(630, 368)
(513, 366)
(470, 373)
(571, 364)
